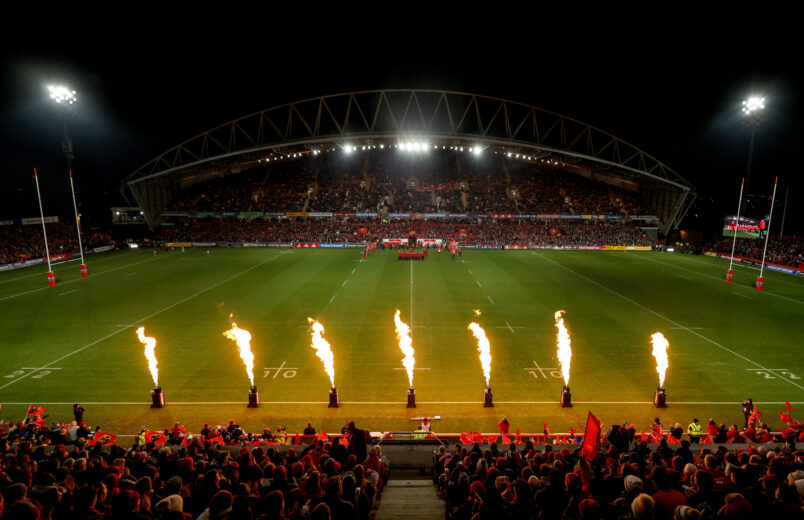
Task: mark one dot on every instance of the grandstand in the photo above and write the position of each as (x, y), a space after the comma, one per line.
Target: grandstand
(254, 200)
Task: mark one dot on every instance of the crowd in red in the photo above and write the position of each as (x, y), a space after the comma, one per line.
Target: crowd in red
(20, 243)
(787, 251)
(442, 183)
(502, 232)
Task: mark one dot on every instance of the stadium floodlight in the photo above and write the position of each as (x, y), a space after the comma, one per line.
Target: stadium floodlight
(753, 104)
(61, 94)
(347, 149)
(476, 150)
(509, 154)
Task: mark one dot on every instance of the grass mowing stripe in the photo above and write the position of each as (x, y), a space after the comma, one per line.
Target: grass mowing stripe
(112, 257)
(721, 280)
(79, 279)
(713, 342)
(118, 331)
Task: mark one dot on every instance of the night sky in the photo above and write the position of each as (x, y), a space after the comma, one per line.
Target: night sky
(673, 91)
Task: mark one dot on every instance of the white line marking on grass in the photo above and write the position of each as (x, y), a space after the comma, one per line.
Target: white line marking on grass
(470, 271)
(510, 327)
(353, 270)
(206, 403)
(679, 275)
(69, 292)
(79, 279)
(490, 300)
(132, 274)
(478, 283)
(118, 331)
(743, 296)
(722, 280)
(93, 263)
(343, 284)
(713, 342)
(330, 301)
(684, 328)
(415, 368)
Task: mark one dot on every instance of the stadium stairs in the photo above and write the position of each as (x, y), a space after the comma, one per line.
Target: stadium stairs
(409, 495)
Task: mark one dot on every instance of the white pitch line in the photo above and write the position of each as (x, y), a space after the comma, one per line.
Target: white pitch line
(490, 300)
(69, 292)
(93, 263)
(478, 283)
(713, 342)
(684, 328)
(118, 331)
(79, 279)
(330, 301)
(132, 274)
(470, 271)
(353, 270)
(343, 284)
(318, 403)
(743, 296)
(721, 279)
(509, 327)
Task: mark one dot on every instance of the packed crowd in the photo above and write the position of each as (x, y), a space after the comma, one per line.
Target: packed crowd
(621, 482)
(787, 251)
(322, 480)
(20, 243)
(503, 232)
(383, 182)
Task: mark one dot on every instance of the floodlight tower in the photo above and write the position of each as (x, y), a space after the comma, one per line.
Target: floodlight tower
(65, 98)
(753, 108)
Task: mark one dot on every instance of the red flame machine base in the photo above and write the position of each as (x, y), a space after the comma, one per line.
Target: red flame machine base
(488, 401)
(566, 398)
(84, 272)
(730, 275)
(333, 397)
(51, 279)
(760, 282)
(253, 397)
(411, 397)
(660, 398)
(157, 397)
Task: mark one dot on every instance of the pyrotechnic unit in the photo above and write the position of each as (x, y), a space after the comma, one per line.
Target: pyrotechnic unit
(157, 396)
(406, 346)
(660, 344)
(564, 357)
(484, 350)
(324, 353)
(243, 340)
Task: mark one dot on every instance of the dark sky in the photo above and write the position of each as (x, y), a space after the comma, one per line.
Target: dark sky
(673, 90)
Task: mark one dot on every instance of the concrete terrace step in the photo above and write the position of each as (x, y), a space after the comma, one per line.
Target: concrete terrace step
(410, 498)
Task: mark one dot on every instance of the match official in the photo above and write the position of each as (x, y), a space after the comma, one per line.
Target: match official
(694, 431)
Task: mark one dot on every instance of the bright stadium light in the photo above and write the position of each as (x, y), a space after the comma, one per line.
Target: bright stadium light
(402, 146)
(62, 94)
(476, 150)
(347, 149)
(753, 104)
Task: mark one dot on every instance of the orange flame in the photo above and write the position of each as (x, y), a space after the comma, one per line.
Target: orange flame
(660, 345)
(243, 340)
(564, 348)
(484, 347)
(477, 312)
(150, 353)
(323, 350)
(405, 344)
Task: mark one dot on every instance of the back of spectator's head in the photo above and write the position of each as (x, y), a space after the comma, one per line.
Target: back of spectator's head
(23, 510)
(686, 513)
(170, 503)
(642, 507)
(632, 484)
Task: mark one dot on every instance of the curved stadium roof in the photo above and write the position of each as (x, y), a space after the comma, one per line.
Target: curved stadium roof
(370, 117)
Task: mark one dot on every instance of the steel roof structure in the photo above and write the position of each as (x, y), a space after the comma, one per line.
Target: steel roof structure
(369, 117)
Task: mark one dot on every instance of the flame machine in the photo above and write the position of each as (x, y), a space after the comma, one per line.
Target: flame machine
(411, 397)
(566, 398)
(333, 397)
(253, 397)
(488, 400)
(660, 398)
(157, 397)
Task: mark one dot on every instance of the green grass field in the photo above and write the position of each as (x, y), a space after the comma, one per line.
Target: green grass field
(76, 342)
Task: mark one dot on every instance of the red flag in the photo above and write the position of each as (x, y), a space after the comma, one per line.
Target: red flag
(476, 437)
(157, 438)
(672, 440)
(35, 410)
(518, 436)
(786, 418)
(322, 437)
(591, 437)
(183, 441)
(506, 439)
(706, 439)
(105, 439)
(343, 441)
(546, 429)
(787, 406)
(466, 438)
(218, 438)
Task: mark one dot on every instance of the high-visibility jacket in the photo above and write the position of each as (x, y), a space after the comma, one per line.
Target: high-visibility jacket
(694, 429)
